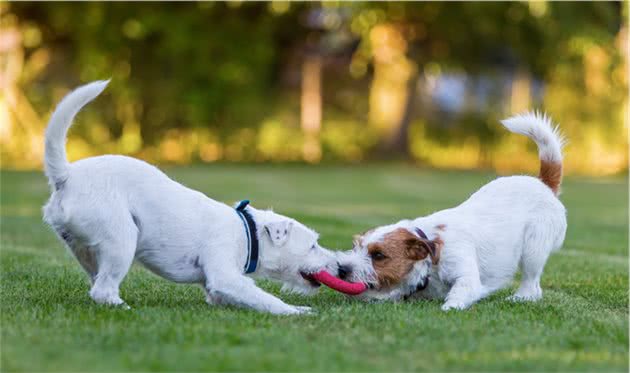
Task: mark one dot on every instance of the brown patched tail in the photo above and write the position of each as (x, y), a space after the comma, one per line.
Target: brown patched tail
(539, 128)
(551, 175)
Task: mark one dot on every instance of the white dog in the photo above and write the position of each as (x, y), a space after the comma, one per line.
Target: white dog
(110, 210)
(465, 253)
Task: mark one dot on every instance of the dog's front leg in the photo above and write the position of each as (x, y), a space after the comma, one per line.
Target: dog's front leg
(242, 291)
(464, 272)
(465, 292)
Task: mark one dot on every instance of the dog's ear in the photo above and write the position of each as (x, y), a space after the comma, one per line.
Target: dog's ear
(279, 231)
(419, 248)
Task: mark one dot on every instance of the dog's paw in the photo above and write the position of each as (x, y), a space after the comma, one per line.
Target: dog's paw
(123, 306)
(304, 310)
(453, 305)
(107, 297)
(294, 310)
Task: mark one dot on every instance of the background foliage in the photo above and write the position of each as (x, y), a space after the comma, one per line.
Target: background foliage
(334, 81)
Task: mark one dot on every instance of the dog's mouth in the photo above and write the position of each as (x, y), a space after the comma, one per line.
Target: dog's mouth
(310, 279)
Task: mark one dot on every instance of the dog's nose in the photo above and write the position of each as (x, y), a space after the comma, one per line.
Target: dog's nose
(344, 271)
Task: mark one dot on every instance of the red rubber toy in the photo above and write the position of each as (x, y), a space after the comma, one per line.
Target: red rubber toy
(350, 288)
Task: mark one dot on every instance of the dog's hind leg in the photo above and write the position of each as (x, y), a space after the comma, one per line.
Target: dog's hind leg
(81, 252)
(114, 256)
(532, 267)
(55, 217)
(87, 259)
(540, 240)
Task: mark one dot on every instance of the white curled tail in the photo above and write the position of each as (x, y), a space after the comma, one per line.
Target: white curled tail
(547, 136)
(55, 159)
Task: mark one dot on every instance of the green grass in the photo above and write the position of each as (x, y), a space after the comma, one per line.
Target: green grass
(50, 324)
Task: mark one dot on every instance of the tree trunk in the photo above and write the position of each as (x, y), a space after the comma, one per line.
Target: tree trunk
(311, 107)
(397, 146)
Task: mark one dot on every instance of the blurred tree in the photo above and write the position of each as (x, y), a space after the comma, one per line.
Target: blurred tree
(521, 39)
(215, 62)
(286, 81)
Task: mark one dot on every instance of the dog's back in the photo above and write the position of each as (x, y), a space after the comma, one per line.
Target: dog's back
(118, 198)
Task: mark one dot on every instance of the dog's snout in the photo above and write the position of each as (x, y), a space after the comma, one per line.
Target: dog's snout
(344, 271)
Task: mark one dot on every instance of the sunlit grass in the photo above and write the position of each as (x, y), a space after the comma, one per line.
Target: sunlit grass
(50, 324)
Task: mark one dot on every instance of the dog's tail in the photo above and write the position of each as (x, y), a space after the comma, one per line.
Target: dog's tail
(547, 136)
(55, 160)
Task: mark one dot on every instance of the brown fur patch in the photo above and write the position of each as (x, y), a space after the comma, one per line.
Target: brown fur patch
(551, 175)
(437, 251)
(394, 257)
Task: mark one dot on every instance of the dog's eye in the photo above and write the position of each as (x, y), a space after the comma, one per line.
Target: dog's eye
(377, 255)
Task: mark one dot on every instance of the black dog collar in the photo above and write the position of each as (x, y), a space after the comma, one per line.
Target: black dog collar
(252, 236)
(420, 233)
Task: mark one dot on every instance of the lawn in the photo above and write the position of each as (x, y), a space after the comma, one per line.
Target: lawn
(50, 324)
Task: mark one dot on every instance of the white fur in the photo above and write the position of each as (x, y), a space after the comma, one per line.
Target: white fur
(510, 222)
(112, 209)
(539, 127)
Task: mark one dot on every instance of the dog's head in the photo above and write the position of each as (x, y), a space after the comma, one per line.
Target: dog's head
(291, 251)
(393, 260)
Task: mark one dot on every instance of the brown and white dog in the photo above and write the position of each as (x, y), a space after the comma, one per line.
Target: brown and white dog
(465, 253)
